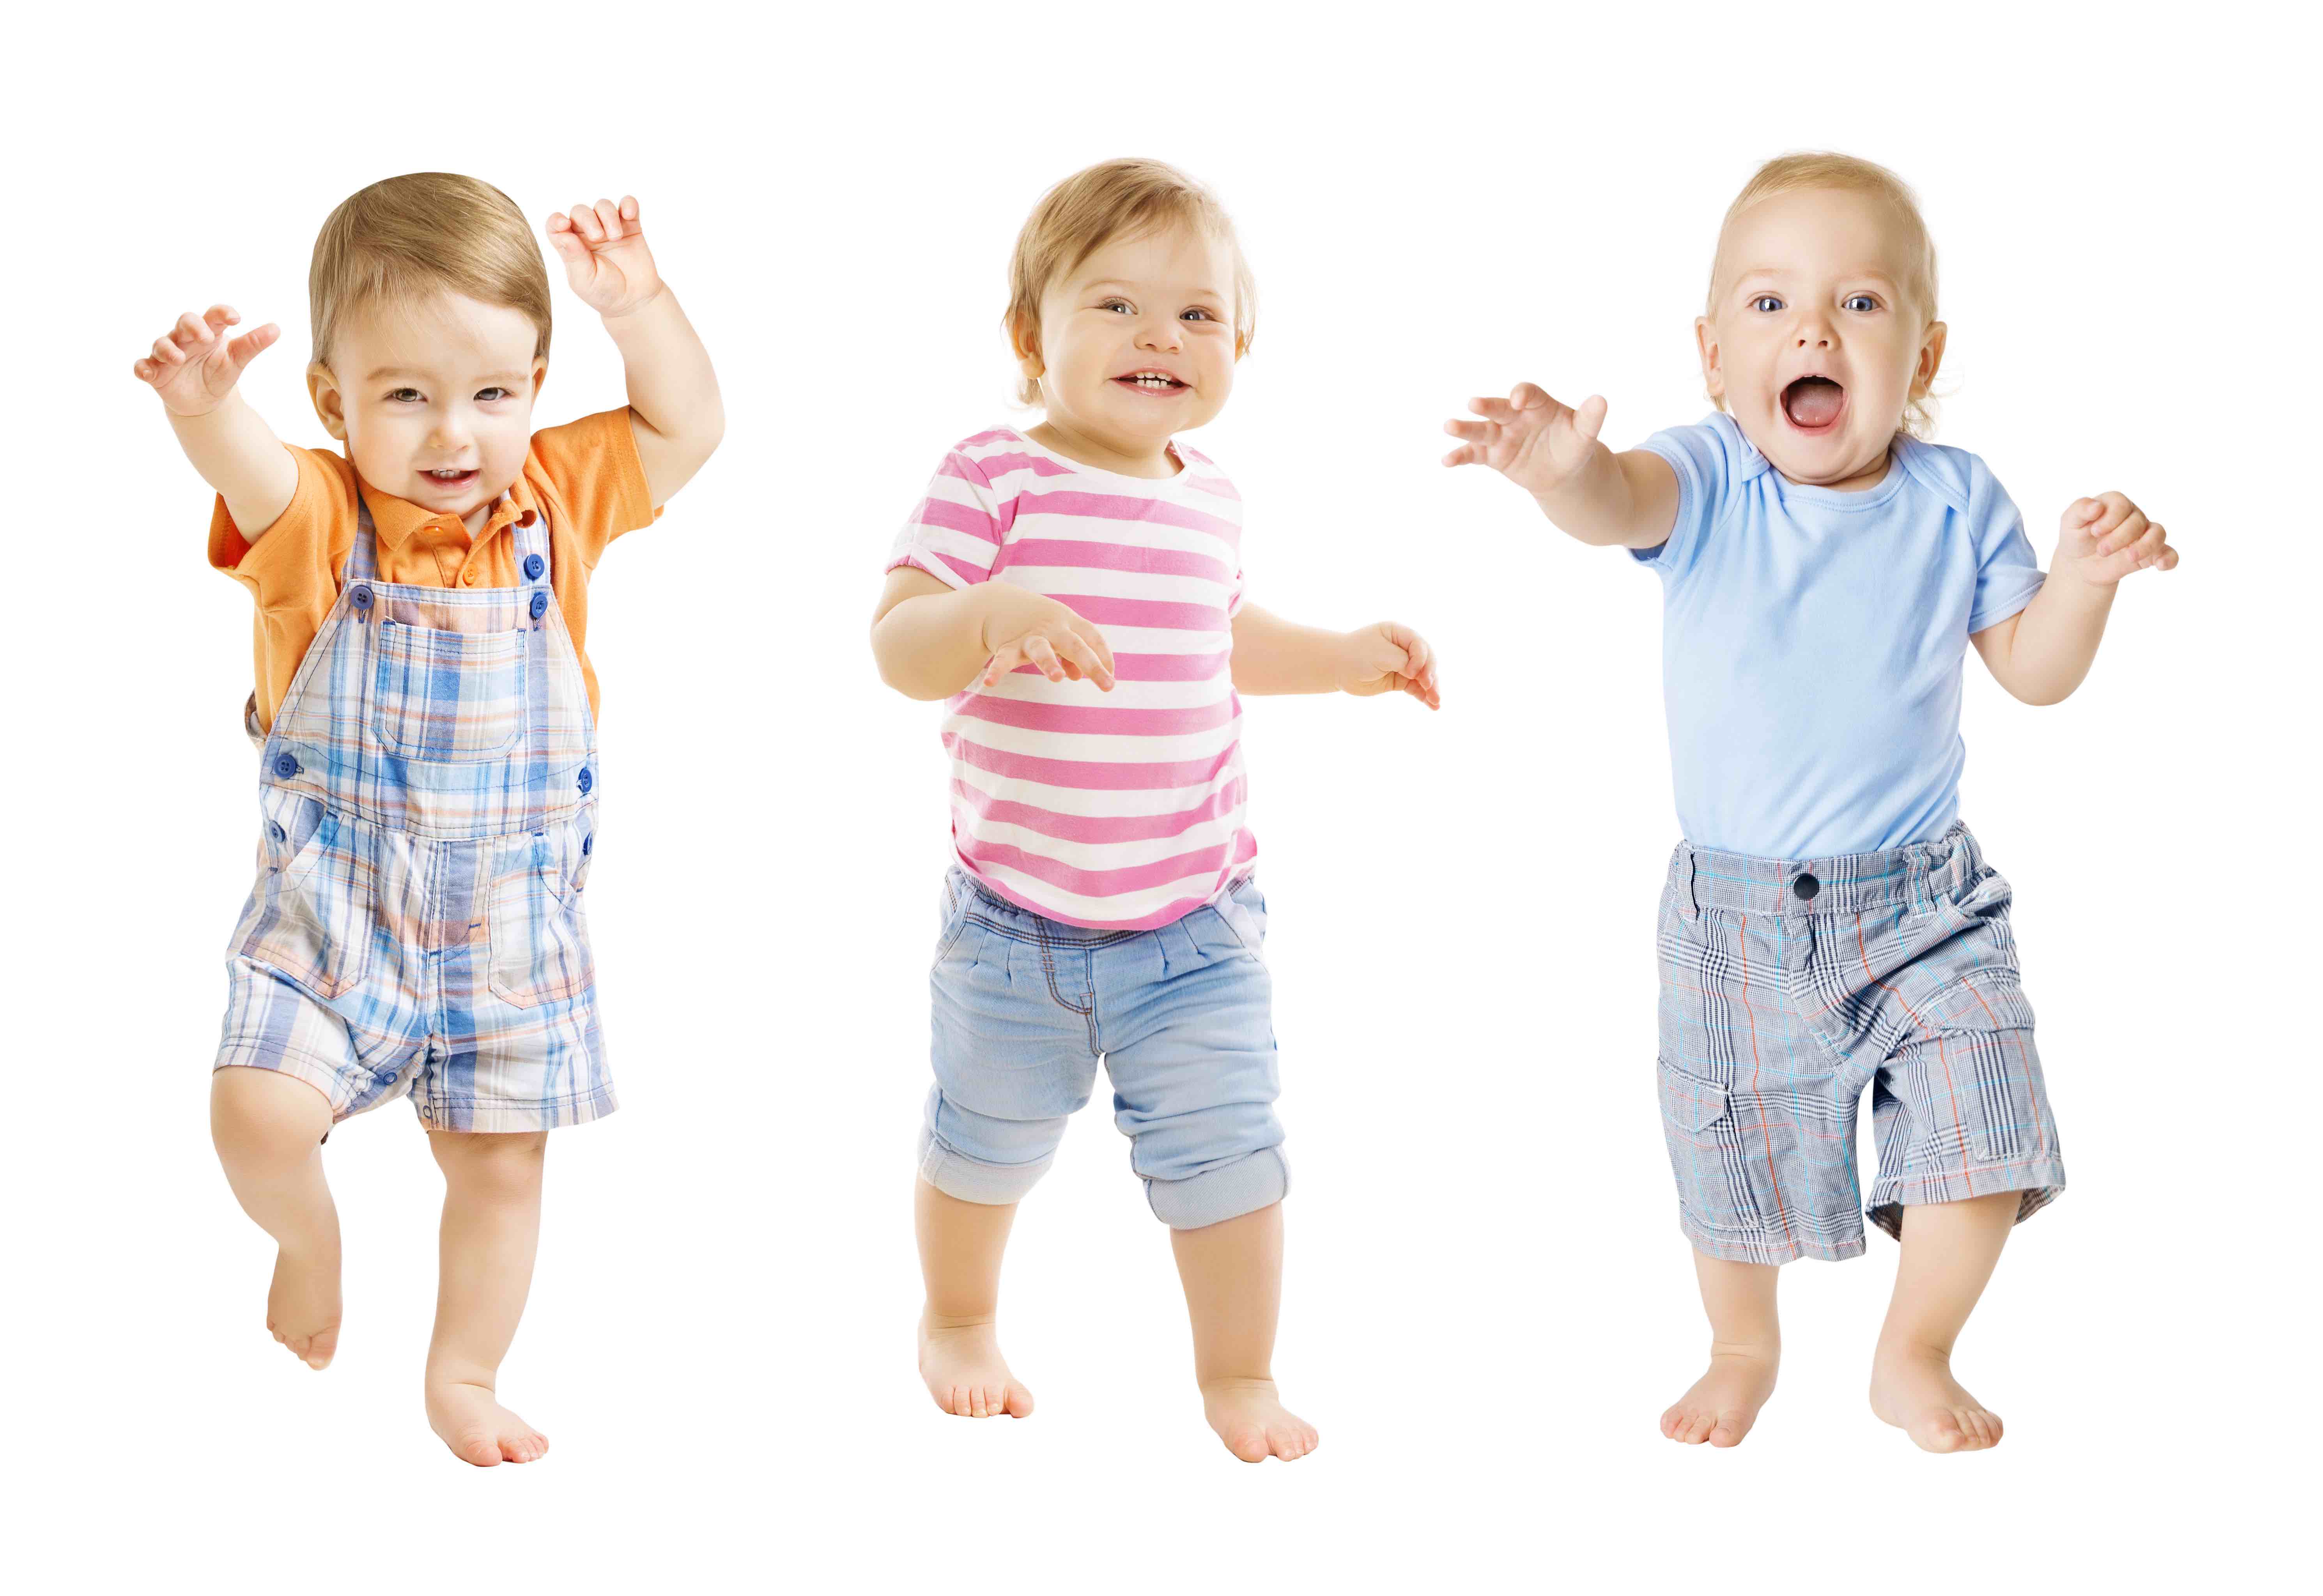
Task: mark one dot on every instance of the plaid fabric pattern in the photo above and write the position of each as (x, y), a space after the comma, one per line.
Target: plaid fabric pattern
(1787, 988)
(428, 808)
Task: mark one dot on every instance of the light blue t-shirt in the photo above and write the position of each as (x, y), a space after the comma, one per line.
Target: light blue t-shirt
(1812, 641)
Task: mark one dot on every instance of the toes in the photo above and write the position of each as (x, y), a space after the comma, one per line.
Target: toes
(1250, 1445)
(1728, 1429)
(1020, 1402)
(482, 1450)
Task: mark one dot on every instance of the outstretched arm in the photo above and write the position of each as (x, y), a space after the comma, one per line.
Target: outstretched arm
(197, 369)
(2042, 653)
(676, 413)
(933, 640)
(1551, 451)
(1271, 655)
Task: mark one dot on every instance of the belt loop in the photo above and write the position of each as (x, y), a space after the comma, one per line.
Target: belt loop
(1688, 892)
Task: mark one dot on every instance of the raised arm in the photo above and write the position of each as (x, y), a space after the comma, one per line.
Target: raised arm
(197, 369)
(2042, 652)
(676, 413)
(1551, 451)
(933, 640)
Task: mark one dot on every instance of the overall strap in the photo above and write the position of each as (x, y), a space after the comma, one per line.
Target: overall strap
(363, 556)
(532, 539)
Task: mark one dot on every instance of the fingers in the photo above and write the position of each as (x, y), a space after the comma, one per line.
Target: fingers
(1529, 396)
(585, 223)
(1094, 660)
(1007, 660)
(2112, 510)
(2153, 551)
(250, 345)
(1589, 417)
(1042, 657)
(2120, 533)
(1417, 675)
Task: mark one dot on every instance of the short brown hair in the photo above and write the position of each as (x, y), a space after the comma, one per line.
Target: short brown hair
(1114, 200)
(1824, 168)
(424, 233)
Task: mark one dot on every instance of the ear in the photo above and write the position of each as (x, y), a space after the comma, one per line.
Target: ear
(539, 376)
(1931, 355)
(1705, 339)
(330, 405)
(1024, 342)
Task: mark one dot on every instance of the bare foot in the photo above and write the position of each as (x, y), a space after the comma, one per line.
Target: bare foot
(1912, 1389)
(470, 1420)
(1253, 1422)
(1722, 1405)
(965, 1373)
(302, 1306)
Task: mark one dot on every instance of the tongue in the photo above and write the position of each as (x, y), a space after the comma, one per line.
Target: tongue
(1813, 402)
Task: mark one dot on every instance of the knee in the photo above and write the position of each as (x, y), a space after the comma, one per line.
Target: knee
(491, 1165)
(1224, 1191)
(262, 1119)
(992, 1174)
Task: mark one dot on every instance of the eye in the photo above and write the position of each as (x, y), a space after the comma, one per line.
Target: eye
(1120, 305)
(404, 396)
(1196, 313)
(1767, 302)
(1859, 302)
(487, 395)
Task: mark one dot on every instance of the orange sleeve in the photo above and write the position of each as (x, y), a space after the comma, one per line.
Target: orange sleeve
(592, 475)
(293, 564)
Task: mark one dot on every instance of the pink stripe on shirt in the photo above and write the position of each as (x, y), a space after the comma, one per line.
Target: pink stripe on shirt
(1053, 807)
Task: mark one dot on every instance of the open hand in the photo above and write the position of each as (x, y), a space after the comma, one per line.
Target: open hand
(193, 365)
(2103, 539)
(1528, 438)
(606, 261)
(1026, 627)
(1389, 658)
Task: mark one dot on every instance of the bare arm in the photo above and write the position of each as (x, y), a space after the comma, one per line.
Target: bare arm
(196, 370)
(676, 413)
(1551, 451)
(1271, 655)
(933, 640)
(2044, 651)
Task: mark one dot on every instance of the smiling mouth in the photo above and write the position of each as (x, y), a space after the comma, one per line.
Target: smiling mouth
(1152, 382)
(451, 479)
(1812, 404)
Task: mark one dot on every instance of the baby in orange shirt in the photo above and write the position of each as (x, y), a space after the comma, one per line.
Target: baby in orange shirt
(427, 725)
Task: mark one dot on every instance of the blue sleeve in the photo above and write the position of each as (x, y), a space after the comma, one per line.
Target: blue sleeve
(2006, 573)
(1703, 459)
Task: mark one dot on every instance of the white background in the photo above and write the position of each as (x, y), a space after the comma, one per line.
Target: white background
(1488, 1300)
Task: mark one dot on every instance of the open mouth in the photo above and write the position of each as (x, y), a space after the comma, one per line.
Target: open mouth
(1814, 403)
(451, 479)
(1151, 381)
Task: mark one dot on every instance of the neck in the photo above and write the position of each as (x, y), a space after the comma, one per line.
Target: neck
(1104, 453)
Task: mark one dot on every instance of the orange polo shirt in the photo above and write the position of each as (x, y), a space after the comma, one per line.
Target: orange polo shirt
(584, 476)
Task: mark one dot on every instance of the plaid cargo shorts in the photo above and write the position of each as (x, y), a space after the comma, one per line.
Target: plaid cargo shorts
(1789, 987)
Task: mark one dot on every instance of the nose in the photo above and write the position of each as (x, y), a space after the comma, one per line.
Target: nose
(449, 431)
(1813, 330)
(1161, 336)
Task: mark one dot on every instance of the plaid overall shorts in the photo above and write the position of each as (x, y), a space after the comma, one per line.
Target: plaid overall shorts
(427, 811)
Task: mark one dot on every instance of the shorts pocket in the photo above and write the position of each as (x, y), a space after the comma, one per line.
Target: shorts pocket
(1241, 913)
(1726, 1169)
(540, 935)
(447, 697)
(312, 915)
(952, 906)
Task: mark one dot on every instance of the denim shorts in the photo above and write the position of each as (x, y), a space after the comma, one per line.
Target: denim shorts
(1790, 986)
(1182, 1016)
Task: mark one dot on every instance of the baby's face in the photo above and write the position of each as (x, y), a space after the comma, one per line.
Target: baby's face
(433, 401)
(1137, 342)
(1815, 338)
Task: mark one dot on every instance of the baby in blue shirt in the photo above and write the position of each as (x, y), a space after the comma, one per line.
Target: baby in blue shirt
(1828, 924)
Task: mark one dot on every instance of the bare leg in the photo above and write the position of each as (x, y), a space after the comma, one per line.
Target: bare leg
(1948, 1253)
(1233, 1275)
(491, 1229)
(269, 1129)
(960, 1246)
(1746, 1349)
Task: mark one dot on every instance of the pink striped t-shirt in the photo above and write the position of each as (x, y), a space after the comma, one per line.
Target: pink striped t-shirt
(1122, 810)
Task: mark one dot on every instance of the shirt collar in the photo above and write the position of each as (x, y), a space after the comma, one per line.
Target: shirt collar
(396, 521)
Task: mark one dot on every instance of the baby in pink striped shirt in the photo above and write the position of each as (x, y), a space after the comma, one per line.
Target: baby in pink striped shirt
(1073, 592)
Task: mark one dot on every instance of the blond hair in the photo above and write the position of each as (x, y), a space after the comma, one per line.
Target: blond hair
(1113, 199)
(426, 232)
(1849, 174)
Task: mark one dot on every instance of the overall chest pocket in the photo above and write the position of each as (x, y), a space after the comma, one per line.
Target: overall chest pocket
(448, 696)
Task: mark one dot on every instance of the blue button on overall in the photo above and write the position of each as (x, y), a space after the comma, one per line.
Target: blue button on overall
(586, 844)
(539, 605)
(285, 767)
(279, 835)
(587, 781)
(360, 597)
(533, 566)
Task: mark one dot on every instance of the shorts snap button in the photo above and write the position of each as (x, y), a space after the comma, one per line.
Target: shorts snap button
(1805, 887)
